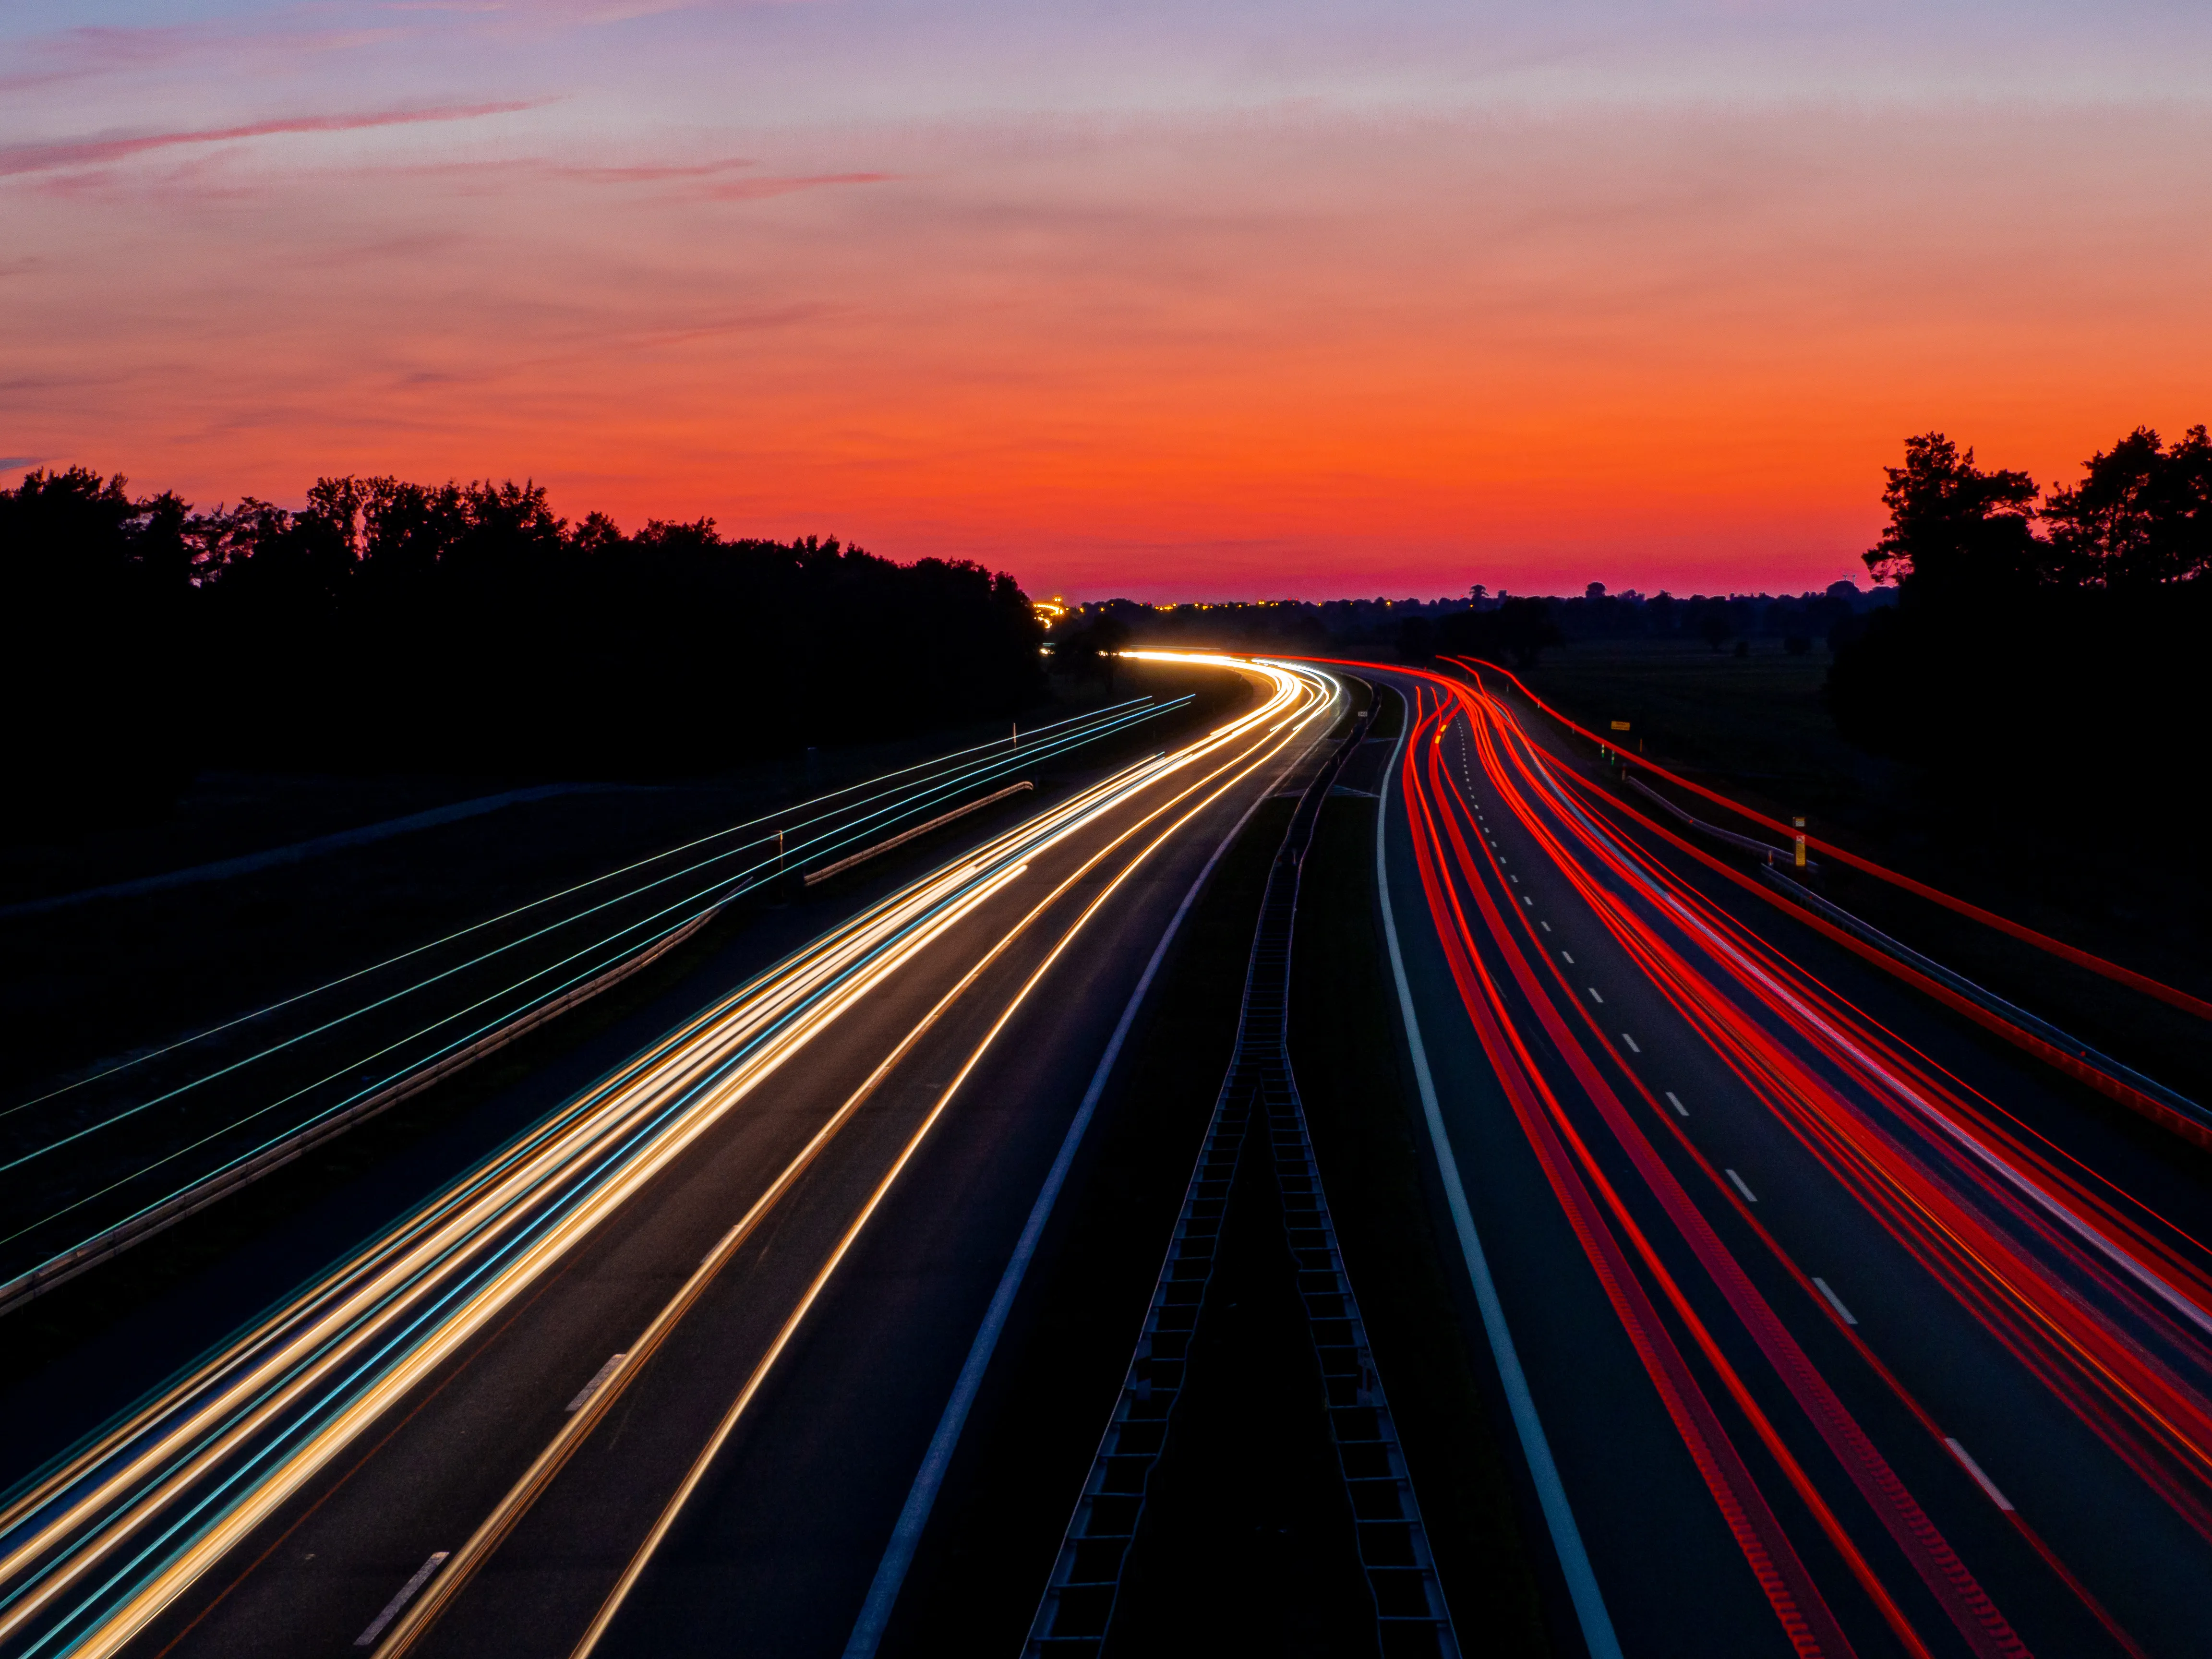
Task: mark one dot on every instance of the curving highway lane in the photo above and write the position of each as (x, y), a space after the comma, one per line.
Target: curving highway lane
(1840, 1333)
(667, 1363)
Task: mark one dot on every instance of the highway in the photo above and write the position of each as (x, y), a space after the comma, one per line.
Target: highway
(659, 1375)
(1821, 1326)
(111, 1157)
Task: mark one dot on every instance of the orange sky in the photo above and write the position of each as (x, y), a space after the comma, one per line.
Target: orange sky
(1244, 347)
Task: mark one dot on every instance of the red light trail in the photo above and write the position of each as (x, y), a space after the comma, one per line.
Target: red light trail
(2103, 1303)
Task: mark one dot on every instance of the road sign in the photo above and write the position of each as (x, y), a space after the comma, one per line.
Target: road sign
(1620, 725)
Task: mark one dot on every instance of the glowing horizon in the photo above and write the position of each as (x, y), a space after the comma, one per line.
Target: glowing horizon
(1271, 303)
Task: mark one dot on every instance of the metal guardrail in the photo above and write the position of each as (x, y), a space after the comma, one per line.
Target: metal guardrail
(101, 1247)
(1749, 844)
(1077, 1609)
(2061, 1048)
(815, 877)
(827, 832)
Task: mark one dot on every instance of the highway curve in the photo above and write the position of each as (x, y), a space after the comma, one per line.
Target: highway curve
(658, 1376)
(1841, 1331)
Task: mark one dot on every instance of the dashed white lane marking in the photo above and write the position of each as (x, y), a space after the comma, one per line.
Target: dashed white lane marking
(1569, 960)
(1526, 900)
(1980, 1480)
(1834, 1301)
(598, 1381)
(368, 1637)
(1680, 1110)
(1595, 998)
(1631, 1042)
(1516, 880)
(1748, 1196)
(1545, 926)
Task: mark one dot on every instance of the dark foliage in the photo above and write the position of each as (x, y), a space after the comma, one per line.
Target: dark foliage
(1483, 623)
(389, 624)
(2054, 673)
(1087, 651)
(1516, 629)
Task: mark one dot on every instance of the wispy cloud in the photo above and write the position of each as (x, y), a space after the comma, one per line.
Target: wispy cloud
(94, 152)
(95, 50)
(751, 190)
(650, 172)
(705, 177)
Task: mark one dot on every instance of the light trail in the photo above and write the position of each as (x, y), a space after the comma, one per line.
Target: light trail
(2106, 1307)
(719, 891)
(596, 1632)
(500, 1006)
(1103, 718)
(2043, 942)
(92, 1549)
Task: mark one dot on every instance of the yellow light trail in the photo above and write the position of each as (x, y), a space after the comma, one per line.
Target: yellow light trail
(273, 1406)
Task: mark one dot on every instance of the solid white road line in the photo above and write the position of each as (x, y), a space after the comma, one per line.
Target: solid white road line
(1551, 1493)
(1980, 1480)
(368, 1637)
(1680, 1109)
(1834, 1301)
(921, 1497)
(612, 1606)
(598, 1381)
(1748, 1196)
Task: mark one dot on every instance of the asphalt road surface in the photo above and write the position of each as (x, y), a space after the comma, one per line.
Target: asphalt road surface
(658, 1376)
(1843, 1329)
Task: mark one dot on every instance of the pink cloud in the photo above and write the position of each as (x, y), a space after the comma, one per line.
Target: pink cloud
(79, 53)
(752, 189)
(650, 172)
(93, 152)
(82, 52)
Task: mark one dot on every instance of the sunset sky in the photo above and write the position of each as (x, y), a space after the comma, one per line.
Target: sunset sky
(1170, 300)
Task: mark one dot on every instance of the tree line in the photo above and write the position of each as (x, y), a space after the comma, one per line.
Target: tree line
(1499, 626)
(2047, 653)
(392, 625)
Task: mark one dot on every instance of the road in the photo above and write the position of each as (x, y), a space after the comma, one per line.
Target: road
(1842, 1331)
(658, 1376)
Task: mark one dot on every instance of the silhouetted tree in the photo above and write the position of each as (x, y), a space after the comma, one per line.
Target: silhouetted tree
(99, 584)
(2140, 516)
(1518, 631)
(1954, 528)
(1090, 652)
(385, 622)
(2054, 674)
